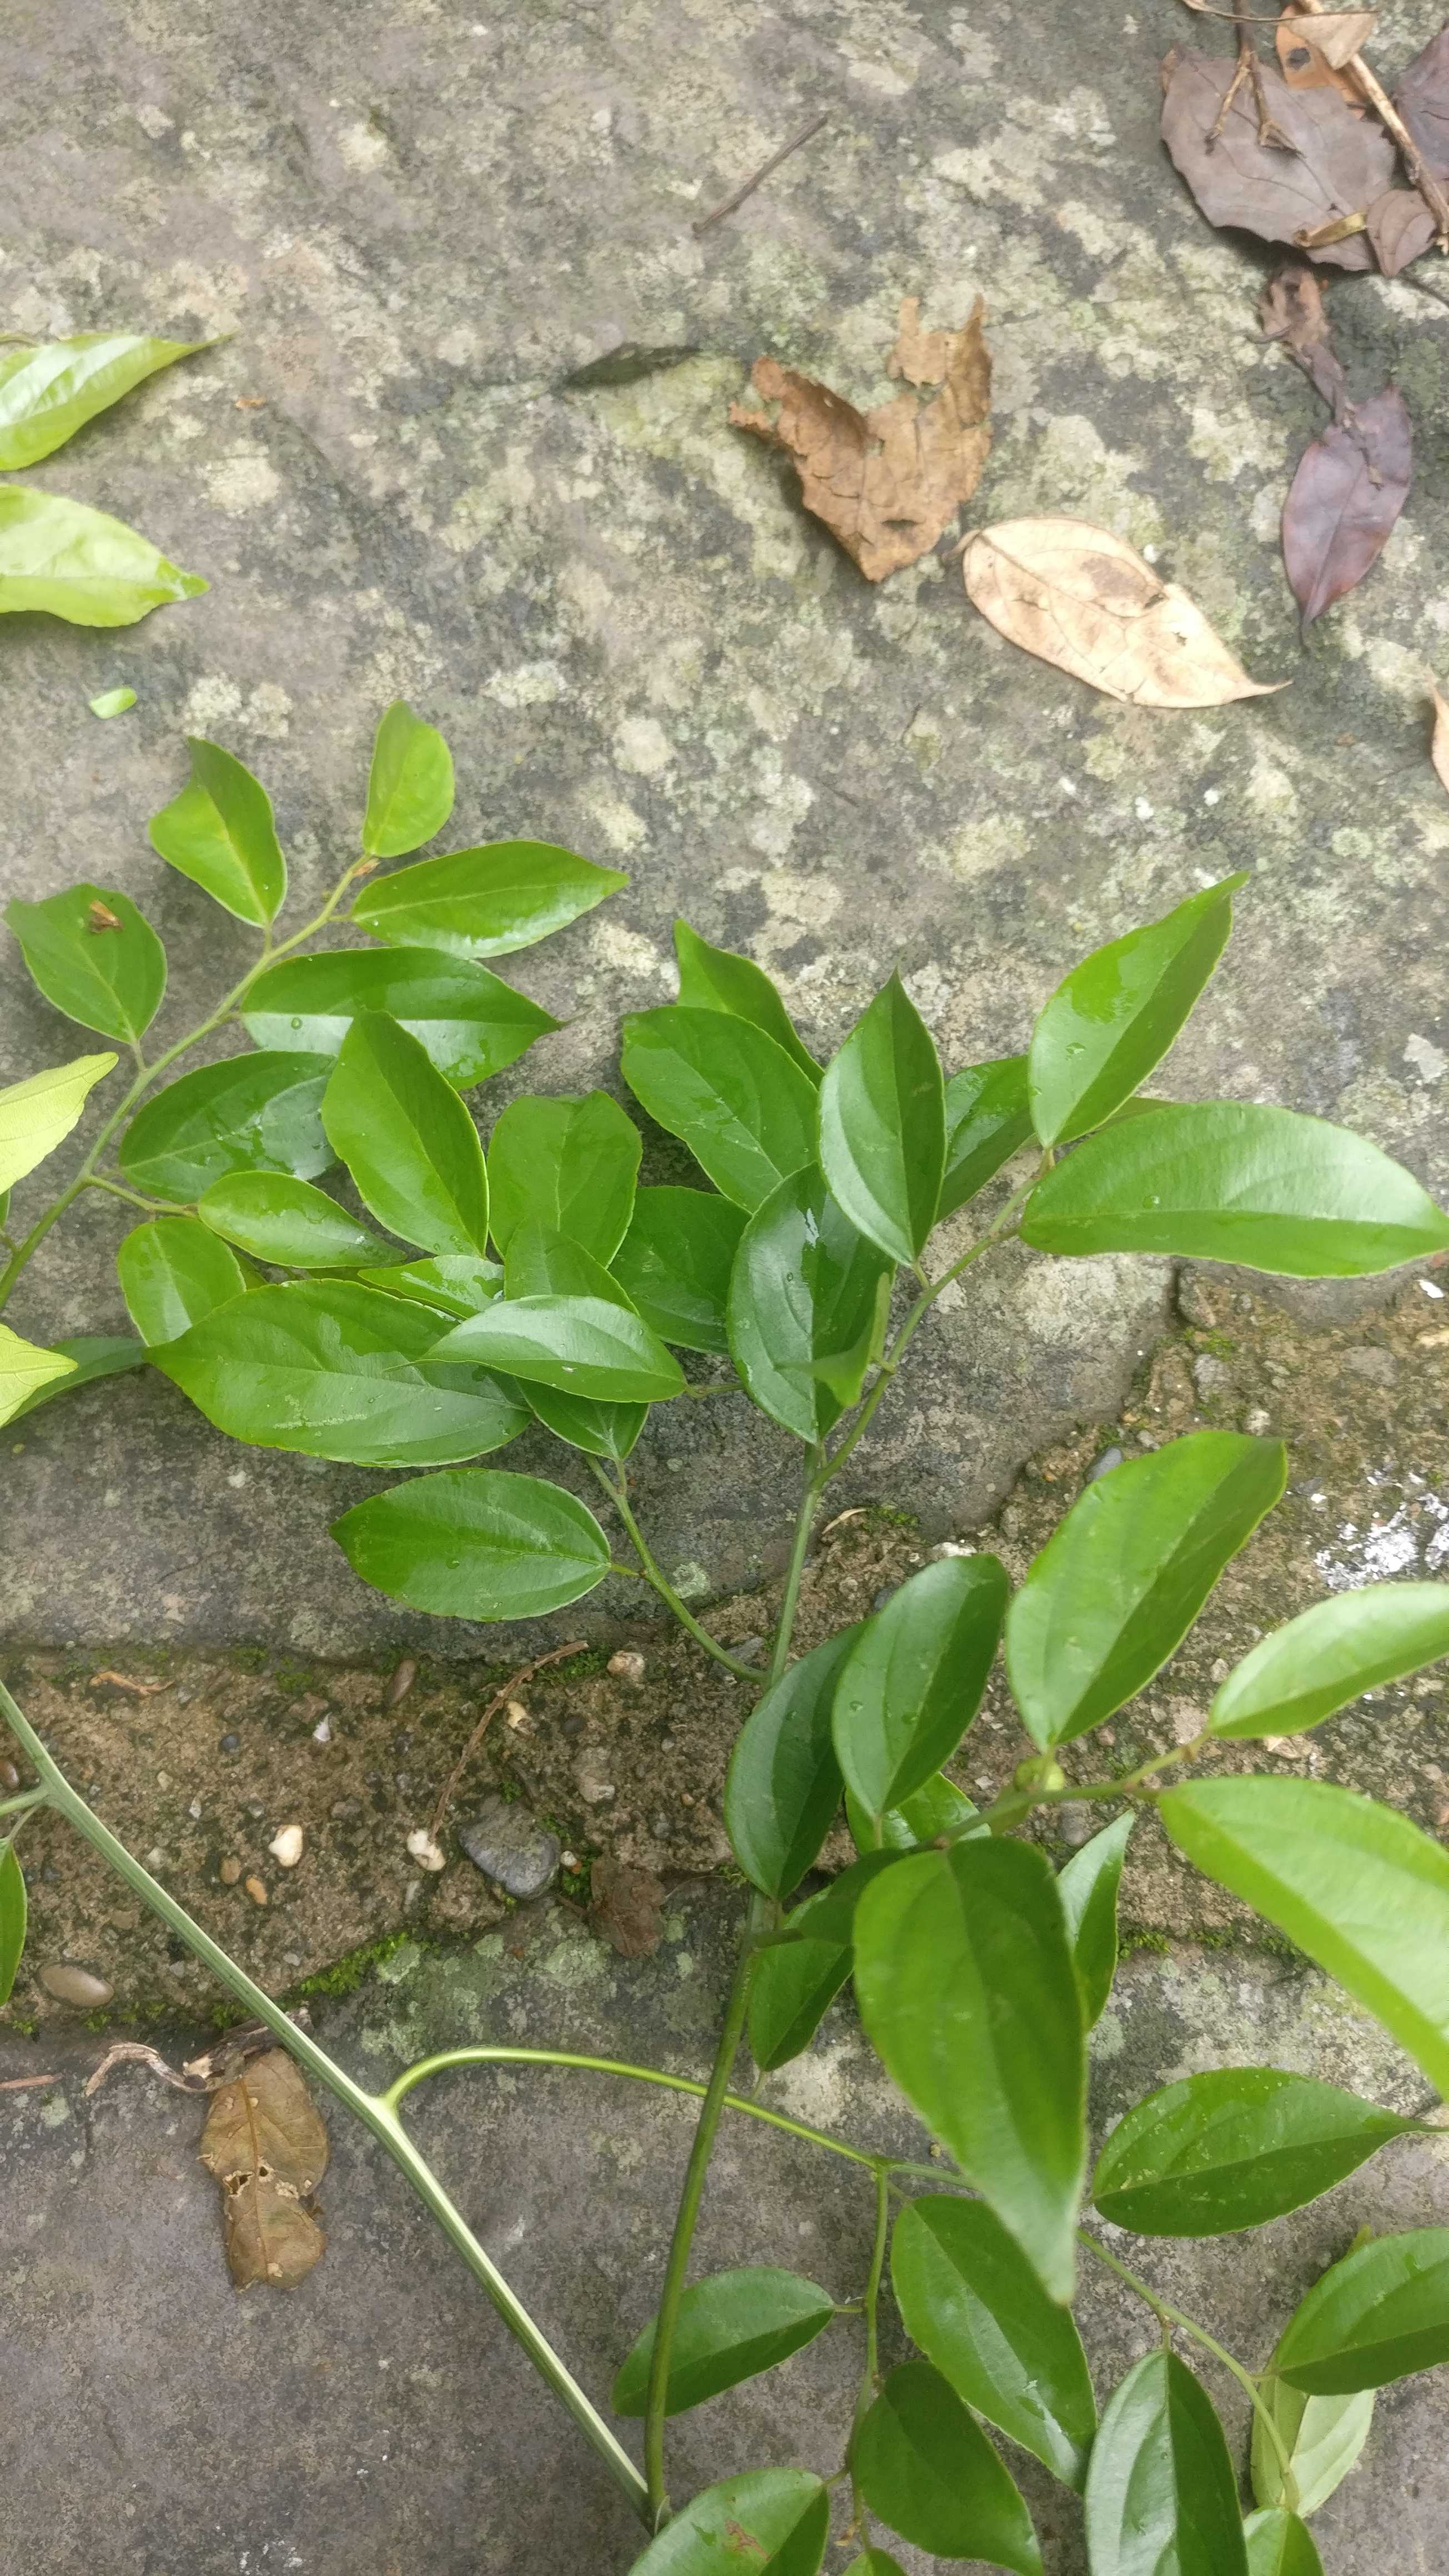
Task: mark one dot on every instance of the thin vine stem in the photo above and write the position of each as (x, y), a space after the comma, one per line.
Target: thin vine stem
(660, 1582)
(871, 2374)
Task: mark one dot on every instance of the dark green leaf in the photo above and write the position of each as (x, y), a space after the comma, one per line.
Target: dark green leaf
(1322, 2436)
(1230, 1181)
(409, 786)
(915, 1678)
(741, 1105)
(476, 1543)
(471, 1023)
(174, 1272)
(275, 1218)
(484, 902)
(38, 1114)
(1321, 1660)
(457, 1283)
(797, 1979)
(1280, 2545)
(883, 1125)
(93, 1355)
(925, 2466)
(407, 1139)
(966, 1987)
(936, 1811)
(731, 2327)
(770, 2522)
(1088, 1889)
(988, 1119)
(974, 2305)
(1162, 2499)
(675, 1263)
(783, 1783)
(544, 1263)
(716, 979)
(806, 1290)
(52, 388)
(95, 957)
(254, 1113)
(12, 1920)
(72, 562)
(1234, 2148)
(1119, 1584)
(1380, 2314)
(1117, 1014)
(219, 832)
(1355, 1885)
(581, 1345)
(570, 1164)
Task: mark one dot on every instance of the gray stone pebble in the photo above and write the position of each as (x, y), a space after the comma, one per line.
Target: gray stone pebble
(506, 1841)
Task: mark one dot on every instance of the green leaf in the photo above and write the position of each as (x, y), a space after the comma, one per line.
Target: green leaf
(484, 902)
(972, 2302)
(1354, 1884)
(915, 1678)
(173, 1272)
(219, 832)
(1088, 1888)
(934, 1812)
(741, 1105)
(336, 1370)
(804, 1292)
(38, 1114)
(675, 1263)
(26, 1371)
(1234, 2148)
(783, 1783)
(12, 1920)
(476, 1543)
(1280, 2545)
(457, 1283)
(409, 786)
(1328, 1655)
(1119, 1584)
(254, 1113)
(1162, 2499)
(875, 2562)
(95, 957)
(1322, 2436)
(1230, 1181)
(112, 702)
(275, 1218)
(569, 1163)
(544, 1263)
(883, 1125)
(95, 1355)
(925, 2466)
(581, 1345)
(1117, 1014)
(967, 1989)
(51, 389)
(988, 1119)
(717, 979)
(770, 2522)
(796, 1980)
(1380, 2314)
(68, 561)
(407, 1139)
(471, 1023)
(731, 2327)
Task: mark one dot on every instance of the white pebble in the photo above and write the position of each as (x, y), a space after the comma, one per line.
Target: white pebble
(627, 1666)
(424, 1849)
(322, 1732)
(286, 1847)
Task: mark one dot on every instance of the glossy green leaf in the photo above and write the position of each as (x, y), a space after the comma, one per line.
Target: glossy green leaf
(336, 1370)
(407, 1139)
(1162, 2499)
(883, 1125)
(12, 1921)
(731, 2326)
(94, 1355)
(38, 1114)
(971, 2301)
(95, 957)
(254, 1113)
(1330, 1654)
(409, 786)
(783, 1783)
(276, 1218)
(988, 1119)
(741, 1105)
(1088, 1888)
(471, 1023)
(52, 388)
(1119, 1584)
(544, 1263)
(915, 1678)
(717, 979)
(65, 560)
(476, 1543)
(581, 1345)
(1280, 2545)
(770, 2522)
(925, 2466)
(797, 1979)
(934, 1812)
(805, 1292)
(1234, 2148)
(1117, 1014)
(457, 1283)
(112, 702)
(219, 832)
(966, 1987)
(1380, 2314)
(570, 1164)
(675, 1263)
(1322, 2436)
(485, 902)
(1230, 1181)
(26, 1371)
(173, 1272)
(1357, 1886)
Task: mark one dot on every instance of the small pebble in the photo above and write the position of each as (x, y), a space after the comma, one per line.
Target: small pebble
(286, 1847)
(626, 1666)
(1258, 1422)
(568, 1860)
(517, 1713)
(76, 1986)
(194, 1811)
(401, 1682)
(231, 1744)
(424, 1849)
(9, 1776)
(322, 1732)
(1075, 1823)
(950, 1547)
(230, 1872)
(256, 1891)
(506, 1841)
(1104, 1465)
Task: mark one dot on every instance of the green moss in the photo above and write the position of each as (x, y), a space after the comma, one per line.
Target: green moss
(346, 1975)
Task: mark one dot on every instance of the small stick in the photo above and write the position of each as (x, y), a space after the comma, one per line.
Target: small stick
(499, 1700)
(133, 2052)
(727, 205)
(1429, 189)
(122, 1681)
(24, 2083)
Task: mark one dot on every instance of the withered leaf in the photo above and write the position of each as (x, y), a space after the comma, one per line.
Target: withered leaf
(1293, 312)
(1350, 486)
(1340, 163)
(1336, 35)
(1400, 226)
(1439, 747)
(1422, 99)
(1303, 68)
(624, 1907)
(885, 482)
(1084, 599)
(267, 2147)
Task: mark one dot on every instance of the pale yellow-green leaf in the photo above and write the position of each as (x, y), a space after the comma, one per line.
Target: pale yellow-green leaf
(51, 389)
(73, 562)
(24, 1369)
(37, 1114)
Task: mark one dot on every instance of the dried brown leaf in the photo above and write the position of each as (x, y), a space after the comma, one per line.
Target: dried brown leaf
(1339, 165)
(267, 2147)
(1400, 226)
(1338, 34)
(1350, 486)
(1422, 99)
(1302, 68)
(885, 482)
(624, 1907)
(1084, 599)
(1439, 747)
(1293, 312)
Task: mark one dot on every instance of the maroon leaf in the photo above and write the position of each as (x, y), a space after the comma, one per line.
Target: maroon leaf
(1340, 165)
(1399, 226)
(1422, 99)
(1350, 486)
(1293, 313)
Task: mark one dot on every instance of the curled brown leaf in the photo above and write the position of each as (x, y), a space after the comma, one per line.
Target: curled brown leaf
(1422, 99)
(1339, 163)
(1400, 227)
(624, 1907)
(1348, 491)
(1303, 66)
(267, 2148)
(1294, 314)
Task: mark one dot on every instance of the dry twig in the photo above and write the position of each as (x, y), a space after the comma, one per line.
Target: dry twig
(499, 1700)
(747, 188)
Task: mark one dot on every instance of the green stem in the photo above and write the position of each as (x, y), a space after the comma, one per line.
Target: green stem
(795, 1571)
(153, 1207)
(26, 1798)
(871, 2373)
(665, 1589)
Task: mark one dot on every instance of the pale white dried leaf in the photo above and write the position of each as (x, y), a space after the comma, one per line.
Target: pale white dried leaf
(1439, 747)
(1337, 34)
